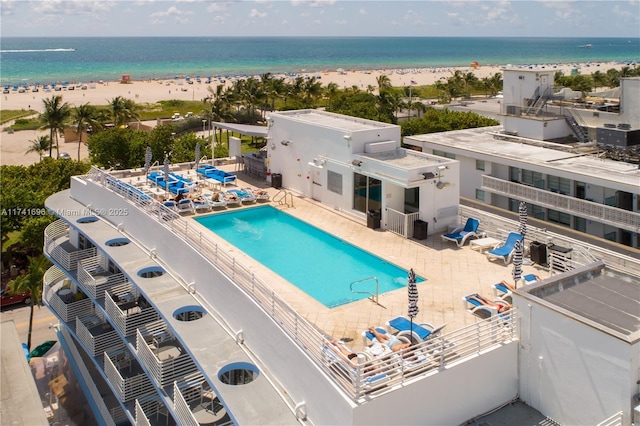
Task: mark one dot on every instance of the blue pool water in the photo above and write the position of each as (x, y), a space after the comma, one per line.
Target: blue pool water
(316, 262)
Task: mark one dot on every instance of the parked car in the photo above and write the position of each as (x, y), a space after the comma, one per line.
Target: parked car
(64, 156)
(8, 299)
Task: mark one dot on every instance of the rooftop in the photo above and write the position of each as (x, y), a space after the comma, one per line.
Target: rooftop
(327, 119)
(579, 166)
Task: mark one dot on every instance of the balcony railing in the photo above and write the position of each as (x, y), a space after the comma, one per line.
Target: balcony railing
(66, 307)
(94, 276)
(57, 245)
(613, 216)
(96, 338)
(163, 357)
(127, 387)
(127, 317)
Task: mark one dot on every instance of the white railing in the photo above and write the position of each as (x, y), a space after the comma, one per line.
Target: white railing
(94, 278)
(165, 371)
(141, 417)
(613, 216)
(400, 223)
(127, 388)
(184, 416)
(308, 337)
(107, 337)
(66, 311)
(614, 420)
(126, 322)
(583, 253)
(57, 245)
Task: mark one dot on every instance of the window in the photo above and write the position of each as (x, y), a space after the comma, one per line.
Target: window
(334, 182)
(444, 154)
(559, 185)
(480, 195)
(480, 165)
(514, 174)
(559, 218)
(580, 224)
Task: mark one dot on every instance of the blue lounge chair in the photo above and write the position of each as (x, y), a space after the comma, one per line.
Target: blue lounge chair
(461, 235)
(505, 251)
(216, 201)
(368, 338)
(185, 206)
(421, 331)
(244, 196)
(476, 307)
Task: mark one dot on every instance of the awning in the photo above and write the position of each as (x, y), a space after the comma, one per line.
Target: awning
(245, 129)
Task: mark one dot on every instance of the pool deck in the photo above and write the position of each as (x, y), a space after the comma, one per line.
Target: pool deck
(450, 273)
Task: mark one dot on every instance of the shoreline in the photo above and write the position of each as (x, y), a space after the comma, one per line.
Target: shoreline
(14, 146)
(151, 91)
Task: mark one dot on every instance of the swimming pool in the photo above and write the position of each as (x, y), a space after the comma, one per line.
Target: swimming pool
(321, 265)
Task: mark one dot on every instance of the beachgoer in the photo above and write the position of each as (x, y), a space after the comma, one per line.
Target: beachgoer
(391, 341)
(179, 197)
(352, 357)
(500, 306)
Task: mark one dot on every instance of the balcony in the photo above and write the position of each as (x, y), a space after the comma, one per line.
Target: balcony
(97, 336)
(65, 302)
(127, 310)
(94, 276)
(60, 249)
(165, 360)
(613, 216)
(126, 376)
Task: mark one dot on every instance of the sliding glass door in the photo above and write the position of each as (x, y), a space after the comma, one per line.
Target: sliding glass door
(367, 193)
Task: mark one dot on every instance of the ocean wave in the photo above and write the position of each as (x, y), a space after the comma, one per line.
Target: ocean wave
(38, 50)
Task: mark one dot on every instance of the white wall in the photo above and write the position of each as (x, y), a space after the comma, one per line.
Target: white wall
(572, 372)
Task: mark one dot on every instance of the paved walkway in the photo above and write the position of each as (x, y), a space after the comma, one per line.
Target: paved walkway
(450, 273)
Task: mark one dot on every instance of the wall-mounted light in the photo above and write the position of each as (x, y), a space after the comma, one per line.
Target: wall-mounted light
(285, 142)
(443, 168)
(428, 175)
(356, 163)
(347, 137)
(442, 184)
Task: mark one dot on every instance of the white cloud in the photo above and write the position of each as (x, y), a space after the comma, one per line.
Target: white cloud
(313, 3)
(412, 18)
(218, 6)
(363, 12)
(171, 11)
(255, 13)
(74, 7)
(7, 7)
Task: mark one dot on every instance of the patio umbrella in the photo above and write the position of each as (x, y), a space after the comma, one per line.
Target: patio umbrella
(148, 156)
(197, 154)
(166, 172)
(517, 262)
(522, 215)
(413, 297)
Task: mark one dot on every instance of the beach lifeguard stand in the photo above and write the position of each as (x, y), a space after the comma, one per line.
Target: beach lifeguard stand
(126, 79)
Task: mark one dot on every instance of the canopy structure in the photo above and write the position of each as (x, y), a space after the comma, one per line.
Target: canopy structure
(245, 129)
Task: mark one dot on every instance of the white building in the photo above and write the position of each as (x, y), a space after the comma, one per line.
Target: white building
(358, 166)
(560, 183)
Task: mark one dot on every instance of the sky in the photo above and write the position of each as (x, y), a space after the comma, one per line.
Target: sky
(472, 18)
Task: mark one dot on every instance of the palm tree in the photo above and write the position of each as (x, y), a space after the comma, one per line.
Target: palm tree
(40, 145)
(122, 111)
(31, 281)
(84, 117)
(599, 80)
(55, 116)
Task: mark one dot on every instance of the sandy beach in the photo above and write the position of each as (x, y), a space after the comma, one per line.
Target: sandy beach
(13, 146)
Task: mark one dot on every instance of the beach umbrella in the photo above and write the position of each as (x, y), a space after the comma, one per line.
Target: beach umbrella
(148, 156)
(522, 215)
(517, 262)
(166, 172)
(197, 154)
(412, 289)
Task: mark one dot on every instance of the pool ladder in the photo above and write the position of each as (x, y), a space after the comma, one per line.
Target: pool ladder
(282, 196)
(373, 297)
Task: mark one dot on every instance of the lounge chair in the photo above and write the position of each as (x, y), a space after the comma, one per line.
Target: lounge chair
(201, 204)
(185, 206)
(420, 333)
(344, 368)
(505, 251)
(216, 201)
(368, 338)
(230, 199)
(244, 196)
(259, 195)
(483, 310)
(462, 234)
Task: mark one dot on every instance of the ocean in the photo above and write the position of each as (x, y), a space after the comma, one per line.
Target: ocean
(47, 60)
